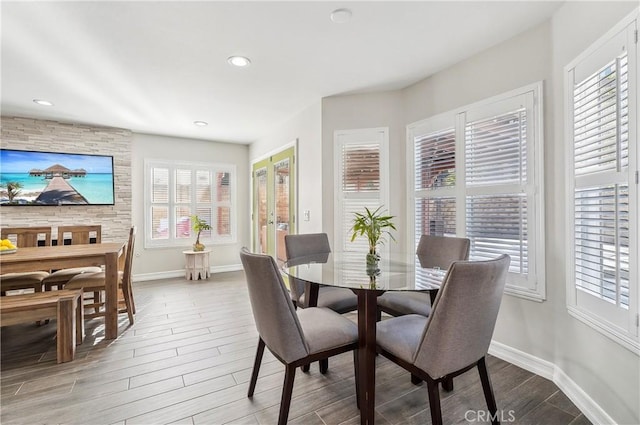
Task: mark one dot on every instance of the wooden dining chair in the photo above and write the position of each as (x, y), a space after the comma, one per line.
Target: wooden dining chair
(456, 336)
(25, 237)
(432, 252)
(73, 235)
(295, 337)
(96, 282)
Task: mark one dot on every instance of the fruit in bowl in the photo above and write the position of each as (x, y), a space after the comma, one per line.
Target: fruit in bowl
(6, 244)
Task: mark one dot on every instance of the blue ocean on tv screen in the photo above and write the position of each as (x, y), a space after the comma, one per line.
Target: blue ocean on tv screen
(96, 188)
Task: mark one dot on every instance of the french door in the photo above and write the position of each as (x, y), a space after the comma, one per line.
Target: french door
(273, 203)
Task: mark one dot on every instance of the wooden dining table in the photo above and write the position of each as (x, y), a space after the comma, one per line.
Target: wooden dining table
(395, 272)
(66, 256)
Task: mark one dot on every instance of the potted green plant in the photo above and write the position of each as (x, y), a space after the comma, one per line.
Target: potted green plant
(198, 225)
(374, 225)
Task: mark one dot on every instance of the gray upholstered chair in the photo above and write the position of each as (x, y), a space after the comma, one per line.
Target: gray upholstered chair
(25, 237)
(432, 252)
(337, 299)
(296, 338)
(456, 336)
(73, 235)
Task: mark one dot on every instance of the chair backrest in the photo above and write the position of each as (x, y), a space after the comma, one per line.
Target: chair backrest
(304, 245)
(75, 235)
(28, 237)
(128, 262)
(463, 317)
(441, 251)
(273, 312)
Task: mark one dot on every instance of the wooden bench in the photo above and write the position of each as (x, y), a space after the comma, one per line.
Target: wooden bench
(65, 305)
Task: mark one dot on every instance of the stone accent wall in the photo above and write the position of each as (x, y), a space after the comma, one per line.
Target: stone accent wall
(51, 136)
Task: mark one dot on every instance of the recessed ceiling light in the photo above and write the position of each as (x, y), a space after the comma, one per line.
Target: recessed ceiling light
(341, 16)
(201, 123)
(42, 102)
(238, 61)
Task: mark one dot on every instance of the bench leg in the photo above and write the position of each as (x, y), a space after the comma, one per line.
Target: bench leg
(66, 344)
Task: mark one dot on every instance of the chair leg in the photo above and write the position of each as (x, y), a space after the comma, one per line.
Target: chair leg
(97, 299)
(447, 384)
(306, 368)
(128, 303)
(256, 367)
(434, 402)
(415, 380)
(324, 365)
(357, 377)
(488, 391)
(287, 391)
(133, 302)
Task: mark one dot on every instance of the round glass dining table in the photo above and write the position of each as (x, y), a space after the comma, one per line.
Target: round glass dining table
(394, 272)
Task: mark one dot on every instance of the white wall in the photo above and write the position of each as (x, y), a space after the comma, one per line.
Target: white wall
(305, 128)
(165, 262)
(366, 111)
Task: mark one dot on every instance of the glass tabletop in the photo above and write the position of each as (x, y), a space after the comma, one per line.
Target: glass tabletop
(394, 272)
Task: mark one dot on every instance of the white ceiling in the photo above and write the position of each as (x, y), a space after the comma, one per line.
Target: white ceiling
(155, 67)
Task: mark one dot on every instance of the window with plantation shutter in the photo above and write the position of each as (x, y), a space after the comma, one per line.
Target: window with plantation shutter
(477, 173)
(361, 180)
(603, 198)
(435, 182)
(176, 191)
(496, 187)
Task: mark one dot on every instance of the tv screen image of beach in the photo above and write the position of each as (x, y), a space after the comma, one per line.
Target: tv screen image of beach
(51, 178)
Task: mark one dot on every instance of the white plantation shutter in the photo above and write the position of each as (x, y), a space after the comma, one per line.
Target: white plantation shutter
(602, 272)
(496, 178)
(224, 205)
(434, 183)
(477, 173)
(176, 191)
(497, 224)
(361, 181)
(603, 224)
(602, 242)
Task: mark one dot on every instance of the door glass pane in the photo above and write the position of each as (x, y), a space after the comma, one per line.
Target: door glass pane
(261, 202)
(281, 176)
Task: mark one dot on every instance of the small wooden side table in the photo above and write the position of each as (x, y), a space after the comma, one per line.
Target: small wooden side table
(197, 264)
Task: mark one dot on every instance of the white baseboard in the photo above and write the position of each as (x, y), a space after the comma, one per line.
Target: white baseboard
(550, 371)
(142, 277)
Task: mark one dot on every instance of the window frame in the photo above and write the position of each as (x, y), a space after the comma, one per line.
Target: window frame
(617, 323)
(535, 287)
(206, 238)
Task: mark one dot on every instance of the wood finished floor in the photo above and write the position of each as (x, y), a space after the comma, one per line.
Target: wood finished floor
(188, 359)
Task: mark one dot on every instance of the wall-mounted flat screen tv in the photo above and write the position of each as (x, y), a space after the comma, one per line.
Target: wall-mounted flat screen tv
(52, 178)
